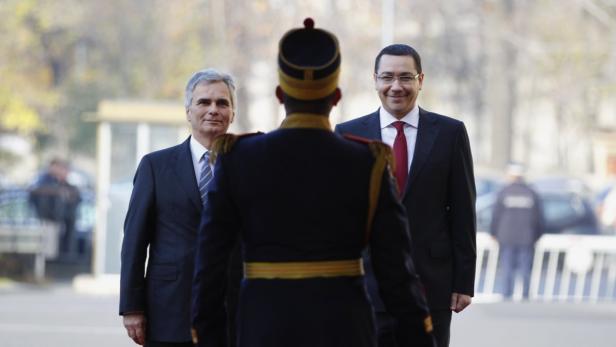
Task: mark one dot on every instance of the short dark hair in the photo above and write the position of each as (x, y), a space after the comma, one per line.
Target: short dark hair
(319, 106)
(398, 49)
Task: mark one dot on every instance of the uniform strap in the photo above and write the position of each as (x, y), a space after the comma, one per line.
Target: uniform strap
(383, 159)
(224, 143)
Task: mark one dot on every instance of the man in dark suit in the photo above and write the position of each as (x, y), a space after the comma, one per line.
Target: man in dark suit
(299, 198)
(163, 215)
(434, 172)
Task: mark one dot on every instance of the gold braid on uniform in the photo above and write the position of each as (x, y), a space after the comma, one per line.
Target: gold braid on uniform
(194, 336)
(383, 158)
(224, 143)
(428, 328)
(306, 121)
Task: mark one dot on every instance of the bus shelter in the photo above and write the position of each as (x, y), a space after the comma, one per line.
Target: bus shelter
(126, 131)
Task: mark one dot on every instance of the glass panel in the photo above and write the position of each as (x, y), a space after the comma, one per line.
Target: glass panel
(163, 136)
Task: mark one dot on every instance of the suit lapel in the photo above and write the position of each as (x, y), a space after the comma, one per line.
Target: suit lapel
(372, 126)
(426, 136)
(184, 170)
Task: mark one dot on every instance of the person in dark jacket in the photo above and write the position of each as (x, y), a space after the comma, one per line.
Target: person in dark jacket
(56, 200)
(306, 203)
(517, 223)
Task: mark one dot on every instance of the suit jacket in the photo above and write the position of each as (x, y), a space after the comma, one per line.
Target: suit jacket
(302, 195)
(440, 204)
(163, 214)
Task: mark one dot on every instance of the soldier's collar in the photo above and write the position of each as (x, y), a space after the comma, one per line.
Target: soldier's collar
(306, 121)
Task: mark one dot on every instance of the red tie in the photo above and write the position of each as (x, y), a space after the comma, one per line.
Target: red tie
(401, 156)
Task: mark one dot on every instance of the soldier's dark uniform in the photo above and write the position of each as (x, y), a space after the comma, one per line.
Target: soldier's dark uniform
(299, 199)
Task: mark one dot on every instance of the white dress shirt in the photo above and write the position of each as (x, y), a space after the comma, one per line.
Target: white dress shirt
(196, 151)
(411, 124)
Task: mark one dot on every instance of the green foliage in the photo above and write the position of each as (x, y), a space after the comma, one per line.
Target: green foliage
(16, 115)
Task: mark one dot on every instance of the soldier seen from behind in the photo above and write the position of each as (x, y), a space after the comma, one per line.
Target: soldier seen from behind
(305, 203)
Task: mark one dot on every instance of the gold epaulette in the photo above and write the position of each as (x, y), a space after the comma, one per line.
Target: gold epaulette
(383, 159)
(224, 143)
(383, 151)
(428, 328)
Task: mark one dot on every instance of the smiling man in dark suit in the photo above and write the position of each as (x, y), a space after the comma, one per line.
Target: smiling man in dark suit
(164, 214)
(434, 172)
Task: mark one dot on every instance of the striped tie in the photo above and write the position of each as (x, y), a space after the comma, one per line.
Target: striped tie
(205, 178)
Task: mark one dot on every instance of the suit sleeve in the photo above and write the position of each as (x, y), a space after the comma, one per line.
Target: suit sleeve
(399, 285)
(139, 222)
(217, 235)
(463, 227)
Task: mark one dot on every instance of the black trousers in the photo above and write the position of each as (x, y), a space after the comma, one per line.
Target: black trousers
(386, 327)
(441, 321)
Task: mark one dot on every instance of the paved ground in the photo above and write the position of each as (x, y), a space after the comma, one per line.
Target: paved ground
(55, 316)
(536, 325)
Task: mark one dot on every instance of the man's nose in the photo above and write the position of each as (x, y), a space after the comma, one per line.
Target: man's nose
(396, 84)
(212, 109)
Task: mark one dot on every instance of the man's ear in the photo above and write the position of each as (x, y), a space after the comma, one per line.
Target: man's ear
(337, 97)
(279, 94)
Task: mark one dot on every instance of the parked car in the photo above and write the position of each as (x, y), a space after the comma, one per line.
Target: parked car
(605, 205)
(565, 211)
(487, 184)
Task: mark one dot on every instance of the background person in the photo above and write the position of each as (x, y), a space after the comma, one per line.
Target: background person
(56, 200)
(517, 223)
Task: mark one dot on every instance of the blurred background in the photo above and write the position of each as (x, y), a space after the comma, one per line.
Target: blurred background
(96, 85)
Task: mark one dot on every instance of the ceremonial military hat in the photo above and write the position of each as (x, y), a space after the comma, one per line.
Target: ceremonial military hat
(308, 62)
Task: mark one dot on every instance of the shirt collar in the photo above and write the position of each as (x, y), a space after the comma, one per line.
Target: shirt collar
(196, 149)
(411, 118)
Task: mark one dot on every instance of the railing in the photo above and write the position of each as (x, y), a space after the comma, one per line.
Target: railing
(565, 267)
(487, 261)
(40, 240)
(578, 267)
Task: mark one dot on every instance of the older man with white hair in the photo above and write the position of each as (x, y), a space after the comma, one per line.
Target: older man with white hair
(163, 215)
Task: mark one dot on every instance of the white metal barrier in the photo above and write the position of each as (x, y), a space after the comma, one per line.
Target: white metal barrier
(565, 267)
(487, 261)
(577, 267)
